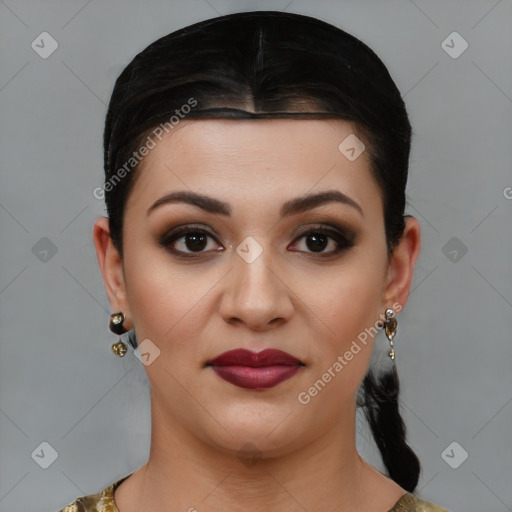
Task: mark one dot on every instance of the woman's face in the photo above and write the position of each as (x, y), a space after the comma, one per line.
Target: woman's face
(248, 276)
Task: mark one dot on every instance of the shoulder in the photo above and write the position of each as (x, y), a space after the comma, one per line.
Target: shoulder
(412, 503)
(102, 501)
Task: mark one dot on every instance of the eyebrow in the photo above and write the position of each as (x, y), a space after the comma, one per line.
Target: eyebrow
(290, 207)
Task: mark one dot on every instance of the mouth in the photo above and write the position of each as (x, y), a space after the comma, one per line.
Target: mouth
(255, 370)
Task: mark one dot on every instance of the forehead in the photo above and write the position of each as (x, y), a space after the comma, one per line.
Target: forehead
(231, 138)
(265, 157)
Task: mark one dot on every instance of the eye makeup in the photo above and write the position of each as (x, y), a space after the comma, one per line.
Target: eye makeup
(196, 236)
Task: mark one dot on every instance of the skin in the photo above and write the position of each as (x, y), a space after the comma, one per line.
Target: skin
(289, 298)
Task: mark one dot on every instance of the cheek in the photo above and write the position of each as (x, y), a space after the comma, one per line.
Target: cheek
(348, 303)
(166, 301)
(346, 309)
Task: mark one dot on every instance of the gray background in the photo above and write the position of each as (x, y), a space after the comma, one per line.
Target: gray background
(60, 382)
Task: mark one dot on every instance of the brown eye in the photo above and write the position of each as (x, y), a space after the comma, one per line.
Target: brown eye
(195, 241)
(317, 241)
(320, 238)
(186, 240)
(192, 241)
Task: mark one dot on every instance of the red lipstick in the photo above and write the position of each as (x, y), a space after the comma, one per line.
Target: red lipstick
(255, 370)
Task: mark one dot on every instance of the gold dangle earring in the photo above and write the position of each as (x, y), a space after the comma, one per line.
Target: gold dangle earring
(390, 325)
(117, 327)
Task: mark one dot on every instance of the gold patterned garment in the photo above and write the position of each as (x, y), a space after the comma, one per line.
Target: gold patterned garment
(104, 502)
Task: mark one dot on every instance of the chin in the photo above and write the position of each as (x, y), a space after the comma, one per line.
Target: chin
(249, 447)
(264, 435)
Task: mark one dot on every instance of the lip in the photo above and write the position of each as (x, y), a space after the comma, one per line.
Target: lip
(255, 370)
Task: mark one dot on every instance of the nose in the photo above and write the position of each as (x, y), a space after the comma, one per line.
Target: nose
(256, 295)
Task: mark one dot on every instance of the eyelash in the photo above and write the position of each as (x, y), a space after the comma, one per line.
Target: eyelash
(344, 242)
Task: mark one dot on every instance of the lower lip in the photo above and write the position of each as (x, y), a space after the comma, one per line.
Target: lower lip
(256, 378)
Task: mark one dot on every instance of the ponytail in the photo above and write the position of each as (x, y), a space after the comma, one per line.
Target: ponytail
(381, 407)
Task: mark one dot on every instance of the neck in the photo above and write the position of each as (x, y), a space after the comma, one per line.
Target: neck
(188, 474)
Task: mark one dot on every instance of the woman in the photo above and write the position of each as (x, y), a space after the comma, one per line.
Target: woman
(255, 244)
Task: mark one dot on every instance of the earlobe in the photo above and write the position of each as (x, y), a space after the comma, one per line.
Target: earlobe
(110, 264)
(402, 263)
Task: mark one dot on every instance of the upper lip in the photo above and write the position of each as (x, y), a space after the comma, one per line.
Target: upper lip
(244, 357)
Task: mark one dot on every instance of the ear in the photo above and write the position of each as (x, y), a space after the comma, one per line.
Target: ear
(401, 266)
(111, 266)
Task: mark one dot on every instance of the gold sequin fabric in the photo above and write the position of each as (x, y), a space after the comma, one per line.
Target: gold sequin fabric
(104, 502)
(99, 502)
